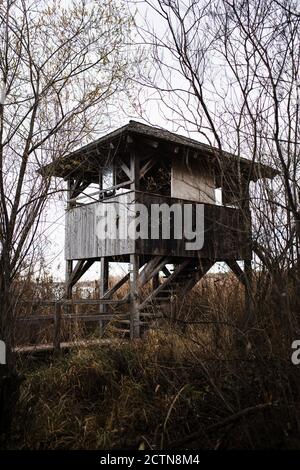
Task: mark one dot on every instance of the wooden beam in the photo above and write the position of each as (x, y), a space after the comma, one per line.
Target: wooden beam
(96, 317)
(75, 272)
(101, 191)
(134, 299)
(134, 171)
(81, 267)
(95, 302)
(79, 187)
(150, 269)
(116, 287)
(104, 273)
(166, 271)
(205, 266)
(236, 269)
(147, 167)
(125, 168)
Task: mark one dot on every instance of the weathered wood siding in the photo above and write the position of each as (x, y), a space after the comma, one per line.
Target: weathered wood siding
(225, 236)
(224, 233)
(192, 181)
(84, 226)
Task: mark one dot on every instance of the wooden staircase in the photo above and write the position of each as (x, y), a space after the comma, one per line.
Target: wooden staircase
(175, 284)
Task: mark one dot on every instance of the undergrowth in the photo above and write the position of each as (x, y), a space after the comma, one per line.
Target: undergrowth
(196, 382)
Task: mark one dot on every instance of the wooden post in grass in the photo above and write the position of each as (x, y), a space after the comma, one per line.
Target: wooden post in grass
(57, 326)
(104, 274)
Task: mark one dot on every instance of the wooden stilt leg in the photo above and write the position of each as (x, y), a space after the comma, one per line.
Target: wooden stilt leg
(69, 269)
(134, 303)
(104, 273)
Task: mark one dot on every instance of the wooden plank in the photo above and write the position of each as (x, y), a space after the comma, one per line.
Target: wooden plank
(125, 169)
(116, 287)
(51, 303)
(147, 167)
(149, 269)
(35, 318)
(94, 317)
(71, 316)
(95, 302)
(36, 303)
(85, 233)
(36, 348)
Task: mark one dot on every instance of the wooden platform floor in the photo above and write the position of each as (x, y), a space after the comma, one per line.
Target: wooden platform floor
(36, 348)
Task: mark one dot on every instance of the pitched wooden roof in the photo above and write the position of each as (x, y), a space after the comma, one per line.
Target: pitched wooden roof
(98, 150)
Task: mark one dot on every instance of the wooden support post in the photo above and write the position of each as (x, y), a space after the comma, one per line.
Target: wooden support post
(57, 327)
(134, 297)
(134, 259)
(69, 263)
(69, 270)
(104, 274)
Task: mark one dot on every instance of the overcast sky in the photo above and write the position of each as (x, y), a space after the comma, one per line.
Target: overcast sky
(153, 113)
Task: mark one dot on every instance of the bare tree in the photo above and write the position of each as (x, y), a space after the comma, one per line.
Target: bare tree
(61, 68)
(229, 71)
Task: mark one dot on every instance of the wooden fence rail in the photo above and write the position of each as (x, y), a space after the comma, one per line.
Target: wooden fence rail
(58, 315)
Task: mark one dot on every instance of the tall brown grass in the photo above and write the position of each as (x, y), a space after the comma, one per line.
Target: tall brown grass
(197, 381)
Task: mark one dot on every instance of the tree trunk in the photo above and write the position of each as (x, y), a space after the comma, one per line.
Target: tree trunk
(10, 380)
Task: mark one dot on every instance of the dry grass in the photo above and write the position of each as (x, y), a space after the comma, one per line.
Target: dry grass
(196, 382)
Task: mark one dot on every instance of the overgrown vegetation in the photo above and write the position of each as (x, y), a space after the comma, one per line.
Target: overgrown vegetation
(196, 382)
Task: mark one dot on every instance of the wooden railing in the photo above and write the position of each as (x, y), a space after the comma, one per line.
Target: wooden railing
(225, 233)
(58, 315)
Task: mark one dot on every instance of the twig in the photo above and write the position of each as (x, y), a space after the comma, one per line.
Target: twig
(225, 422)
